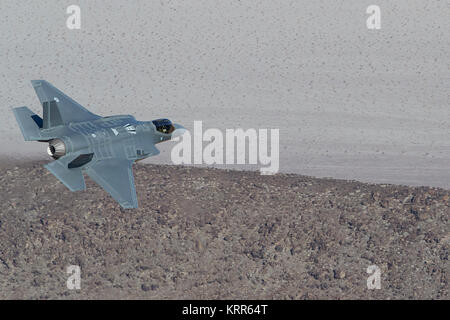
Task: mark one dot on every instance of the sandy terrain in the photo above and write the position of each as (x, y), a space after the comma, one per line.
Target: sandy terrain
(350, 103)
(209, 233)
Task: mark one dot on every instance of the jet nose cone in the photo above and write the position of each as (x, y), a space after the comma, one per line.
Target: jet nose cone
(179, 130)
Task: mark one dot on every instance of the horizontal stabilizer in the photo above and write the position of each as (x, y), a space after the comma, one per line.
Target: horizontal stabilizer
(29, 123)
(71, 178)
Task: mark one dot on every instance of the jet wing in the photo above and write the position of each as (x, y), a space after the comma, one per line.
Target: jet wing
(116, 177)
(70, 110)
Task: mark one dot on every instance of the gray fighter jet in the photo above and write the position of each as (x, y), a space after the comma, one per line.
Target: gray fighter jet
(81, 141)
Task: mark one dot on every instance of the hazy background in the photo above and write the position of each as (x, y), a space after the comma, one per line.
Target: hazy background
(351, 103)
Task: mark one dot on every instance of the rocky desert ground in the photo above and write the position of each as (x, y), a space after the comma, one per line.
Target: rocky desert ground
(209, 233)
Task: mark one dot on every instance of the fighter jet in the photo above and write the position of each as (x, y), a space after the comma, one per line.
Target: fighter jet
(102, 147)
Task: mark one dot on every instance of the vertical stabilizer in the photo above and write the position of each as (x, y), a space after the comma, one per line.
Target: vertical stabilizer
(51, 115)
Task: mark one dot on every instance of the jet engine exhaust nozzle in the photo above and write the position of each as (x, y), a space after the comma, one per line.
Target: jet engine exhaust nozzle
(56, 148)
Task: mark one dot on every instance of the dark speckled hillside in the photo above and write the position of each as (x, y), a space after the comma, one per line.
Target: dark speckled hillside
(206, 233)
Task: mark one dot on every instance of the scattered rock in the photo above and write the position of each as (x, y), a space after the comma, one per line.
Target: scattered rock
(264, 237)
(339, 274)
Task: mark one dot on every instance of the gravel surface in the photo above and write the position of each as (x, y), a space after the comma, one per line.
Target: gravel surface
(209, 233)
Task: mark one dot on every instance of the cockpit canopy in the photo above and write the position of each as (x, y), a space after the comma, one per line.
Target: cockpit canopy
(164, 125)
